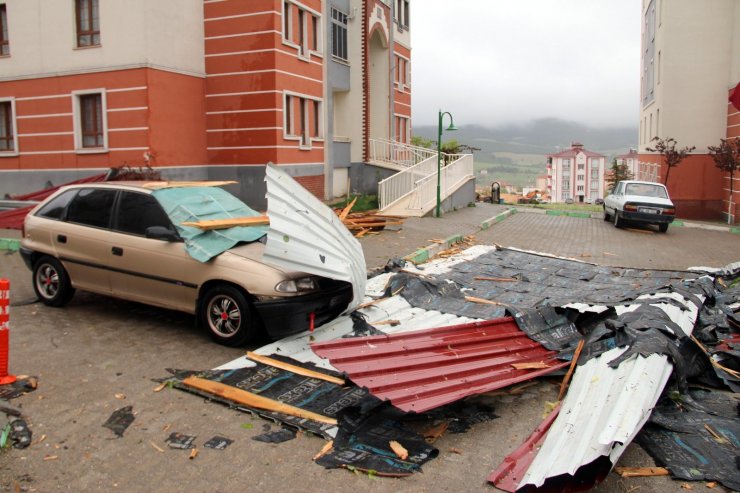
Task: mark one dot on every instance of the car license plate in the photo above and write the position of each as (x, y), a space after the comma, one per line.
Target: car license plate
(647, 210)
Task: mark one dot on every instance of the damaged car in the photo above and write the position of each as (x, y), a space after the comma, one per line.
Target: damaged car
(127, 240)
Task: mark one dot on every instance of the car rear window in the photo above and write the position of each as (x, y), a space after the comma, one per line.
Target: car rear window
(646, 190)
(92, 207)
(55, 208)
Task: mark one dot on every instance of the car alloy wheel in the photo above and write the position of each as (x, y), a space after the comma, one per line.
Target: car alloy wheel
(227, 314)
(51, 282)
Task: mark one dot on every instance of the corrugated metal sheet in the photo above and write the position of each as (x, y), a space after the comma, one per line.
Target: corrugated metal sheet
(305, 235)
(606, 407)
(422, 370)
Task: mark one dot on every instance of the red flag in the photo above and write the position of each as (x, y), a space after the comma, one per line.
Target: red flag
(735, 96)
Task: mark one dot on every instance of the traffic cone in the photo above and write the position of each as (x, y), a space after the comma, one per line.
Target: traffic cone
(5, 378)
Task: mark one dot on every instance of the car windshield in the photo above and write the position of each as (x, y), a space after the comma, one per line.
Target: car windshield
(193, 204)
(646, 190)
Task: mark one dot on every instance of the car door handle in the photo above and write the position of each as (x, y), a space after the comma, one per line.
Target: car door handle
(62, 238)
(117, 251)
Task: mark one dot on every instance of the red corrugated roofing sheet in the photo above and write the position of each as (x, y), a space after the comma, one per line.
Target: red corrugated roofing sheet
(421, 370)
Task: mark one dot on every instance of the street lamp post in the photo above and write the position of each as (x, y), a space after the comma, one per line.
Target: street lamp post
(439, 156)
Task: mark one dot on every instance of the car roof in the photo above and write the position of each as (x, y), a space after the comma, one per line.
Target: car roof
(642, 182)
(147, 186)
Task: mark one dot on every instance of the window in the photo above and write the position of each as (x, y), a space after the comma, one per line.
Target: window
(565, 195)
(55, 208)
(402, 14)
(90, 121)
(88, 23)
(8, 137)
(92, 207)
(402, 129)
(566, 184)
(139, 211)
(4, 43)
(595, 163)
(306, 36)
(581, 166)
(579, 188)
(566, 165)
(302, 119)
(594, 173)
(339, 35)
(580, 177)
(594, 186)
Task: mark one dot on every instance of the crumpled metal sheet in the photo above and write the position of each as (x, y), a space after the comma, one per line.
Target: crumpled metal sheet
(307, 236)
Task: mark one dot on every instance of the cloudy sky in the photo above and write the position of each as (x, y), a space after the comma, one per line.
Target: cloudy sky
(499, 61)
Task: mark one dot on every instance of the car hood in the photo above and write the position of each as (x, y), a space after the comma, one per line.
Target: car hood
(255, 251)
(648, 200)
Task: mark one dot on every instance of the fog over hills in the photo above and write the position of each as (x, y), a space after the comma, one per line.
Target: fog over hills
(542, 136)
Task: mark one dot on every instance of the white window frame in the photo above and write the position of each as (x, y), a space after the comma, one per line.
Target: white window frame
(77, 117)
(345, 27)
(407, 128)
(402, 77)
(304, 50)
(14, 128)
(289, 126)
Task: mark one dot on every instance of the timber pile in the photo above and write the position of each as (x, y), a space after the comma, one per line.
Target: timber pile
(362, 223)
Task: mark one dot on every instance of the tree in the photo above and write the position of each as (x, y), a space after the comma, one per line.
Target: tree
(420, 141)
(672, 157)
(617, 173)
(726, 156)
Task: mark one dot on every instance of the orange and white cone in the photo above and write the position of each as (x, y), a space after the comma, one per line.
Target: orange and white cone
(5, 378)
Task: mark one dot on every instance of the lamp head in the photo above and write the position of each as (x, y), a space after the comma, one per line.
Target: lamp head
(452, 127)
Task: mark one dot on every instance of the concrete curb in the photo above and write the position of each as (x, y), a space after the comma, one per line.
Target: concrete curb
(497, 218)
(424, 254)
(9, 244)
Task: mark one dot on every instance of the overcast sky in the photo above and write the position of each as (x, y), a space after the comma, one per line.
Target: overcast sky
(492, 62)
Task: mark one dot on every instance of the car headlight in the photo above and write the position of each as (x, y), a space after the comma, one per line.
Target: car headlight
(296, 285)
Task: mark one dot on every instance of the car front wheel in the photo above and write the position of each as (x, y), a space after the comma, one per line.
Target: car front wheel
(51, 282)
(227, 314)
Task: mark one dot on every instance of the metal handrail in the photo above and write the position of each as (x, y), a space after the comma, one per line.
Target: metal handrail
(451, 176)
(398, 154)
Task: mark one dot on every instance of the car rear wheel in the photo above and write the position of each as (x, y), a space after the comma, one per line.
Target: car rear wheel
(607, 217)
(663, 227)
(227, 314)
(51, 282)
(618, 223)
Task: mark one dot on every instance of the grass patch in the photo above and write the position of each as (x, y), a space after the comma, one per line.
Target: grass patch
(364, 203)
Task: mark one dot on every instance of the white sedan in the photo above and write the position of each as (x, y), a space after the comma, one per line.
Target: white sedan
(639, 201)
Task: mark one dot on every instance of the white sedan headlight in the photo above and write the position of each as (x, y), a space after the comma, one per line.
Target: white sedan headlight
(297, 285)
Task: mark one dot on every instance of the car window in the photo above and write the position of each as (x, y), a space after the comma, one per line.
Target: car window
(91, 207)
(55, 208)
(646, 190)
(137, 212)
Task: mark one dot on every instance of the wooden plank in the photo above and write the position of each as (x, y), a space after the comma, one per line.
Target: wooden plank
(534, 365)
(253, 400)
(158, 185)
(640, 472)
(572, 368)
(266, 360)
(343, 214)
(229, 223)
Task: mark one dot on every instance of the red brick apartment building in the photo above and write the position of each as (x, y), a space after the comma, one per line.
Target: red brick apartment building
(201, 89)
(691, 65)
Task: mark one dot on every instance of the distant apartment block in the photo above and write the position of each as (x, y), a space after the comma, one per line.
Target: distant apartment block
(690, 67)
(201, 89)
(575, 174)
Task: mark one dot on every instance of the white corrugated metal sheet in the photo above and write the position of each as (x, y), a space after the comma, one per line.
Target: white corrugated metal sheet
(305, 235)
(606, 407)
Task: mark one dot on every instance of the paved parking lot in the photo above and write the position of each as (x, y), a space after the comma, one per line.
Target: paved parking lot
(99, 354)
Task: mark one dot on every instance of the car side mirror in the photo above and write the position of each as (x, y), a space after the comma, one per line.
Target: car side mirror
(162, 233)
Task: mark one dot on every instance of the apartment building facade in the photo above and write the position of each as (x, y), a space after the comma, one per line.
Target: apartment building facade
(200, 89)
(575, 174)
(690, 68)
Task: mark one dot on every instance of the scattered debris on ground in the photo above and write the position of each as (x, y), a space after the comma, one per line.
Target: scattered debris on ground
(120, 420)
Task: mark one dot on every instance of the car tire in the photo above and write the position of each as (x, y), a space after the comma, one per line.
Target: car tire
(607, 217)
(51, 282)
(663, 227)
(228, 316)
(618, 223)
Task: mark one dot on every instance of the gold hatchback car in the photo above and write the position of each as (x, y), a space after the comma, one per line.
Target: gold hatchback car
(128, 240)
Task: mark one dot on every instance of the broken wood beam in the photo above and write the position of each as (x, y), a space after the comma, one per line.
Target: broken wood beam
(266, 360)
(641, 472)
(232, 222)
(253, 400)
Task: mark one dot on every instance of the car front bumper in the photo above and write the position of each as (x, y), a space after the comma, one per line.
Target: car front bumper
(288, 316)
(644, 217)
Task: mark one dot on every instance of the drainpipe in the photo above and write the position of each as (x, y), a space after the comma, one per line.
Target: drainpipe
(392, 66)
